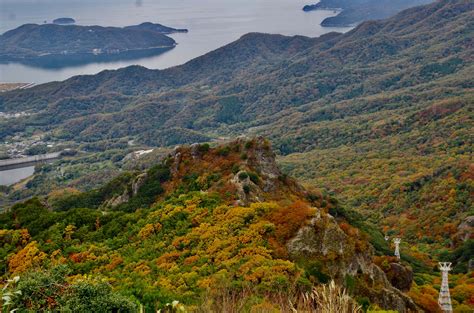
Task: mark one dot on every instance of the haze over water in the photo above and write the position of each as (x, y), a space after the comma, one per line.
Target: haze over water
(211, 24)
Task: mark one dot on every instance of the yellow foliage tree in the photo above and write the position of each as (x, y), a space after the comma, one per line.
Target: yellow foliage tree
(28, 257)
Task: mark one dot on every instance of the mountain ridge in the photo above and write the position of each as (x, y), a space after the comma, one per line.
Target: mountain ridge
(281, 234)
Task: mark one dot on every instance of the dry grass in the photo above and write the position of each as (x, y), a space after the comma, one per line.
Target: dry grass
(328, 298)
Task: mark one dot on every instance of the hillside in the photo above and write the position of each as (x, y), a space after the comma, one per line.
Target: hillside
(32, 41)
(205, 227)
(353, 12)
(380, 118)
(258, 76)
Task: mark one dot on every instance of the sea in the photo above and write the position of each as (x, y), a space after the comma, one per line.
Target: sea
(211, 23)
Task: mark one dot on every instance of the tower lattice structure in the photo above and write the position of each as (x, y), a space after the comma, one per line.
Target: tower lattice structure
(444, 299)
(397, 241)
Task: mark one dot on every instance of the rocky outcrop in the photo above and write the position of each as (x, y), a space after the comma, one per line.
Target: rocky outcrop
(128, 192)
(264, 161)
(117, 200)
(247, 191)
(465, 230)
(138, 182)
(400, 276)
(176, 160)
(323, 240)
(195, 151)
(246, 171)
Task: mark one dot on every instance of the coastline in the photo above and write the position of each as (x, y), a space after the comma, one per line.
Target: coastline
(57, 61)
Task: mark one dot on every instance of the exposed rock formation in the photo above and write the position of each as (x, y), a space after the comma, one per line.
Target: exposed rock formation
(465, 229)
(128, 193)
(400, 276)
(245, 171)
(322, 239)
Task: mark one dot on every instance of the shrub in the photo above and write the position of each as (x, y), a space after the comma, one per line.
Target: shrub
(254, 178)
(34, 296)
(235, 169)
(204, 148)
(224, 151)
(38, 149)
(89, 297)
(243, 176)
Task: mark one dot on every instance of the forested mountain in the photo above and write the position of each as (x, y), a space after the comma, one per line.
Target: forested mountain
(216, 229)
(32, 41)
(245, 83)
(380, 117)
(353, 12)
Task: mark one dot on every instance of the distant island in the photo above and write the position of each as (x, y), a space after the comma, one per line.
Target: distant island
(35, 44)
(162, 29)
(64, 21)
(353, 12)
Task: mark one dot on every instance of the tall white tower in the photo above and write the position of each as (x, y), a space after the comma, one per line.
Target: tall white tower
(397, 241)
(444, 299)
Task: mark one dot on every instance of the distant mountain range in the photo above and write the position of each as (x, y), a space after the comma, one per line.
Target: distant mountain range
(260, 80)
(30, 42)
(354, 12)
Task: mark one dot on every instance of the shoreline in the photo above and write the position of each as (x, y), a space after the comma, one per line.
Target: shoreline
(27, 161)
(4, 87)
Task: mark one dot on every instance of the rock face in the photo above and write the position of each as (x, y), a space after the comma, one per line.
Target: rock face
(176, 160)
(400, 277)
(118, 200)
(247, 191)
(465, 230)
(264, 161)
(195, 150)
(323, 240)
(128, 192)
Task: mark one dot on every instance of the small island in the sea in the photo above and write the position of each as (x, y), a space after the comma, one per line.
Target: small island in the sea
(33, 43)
(64, 21)
(353, 12)
(162, 29)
